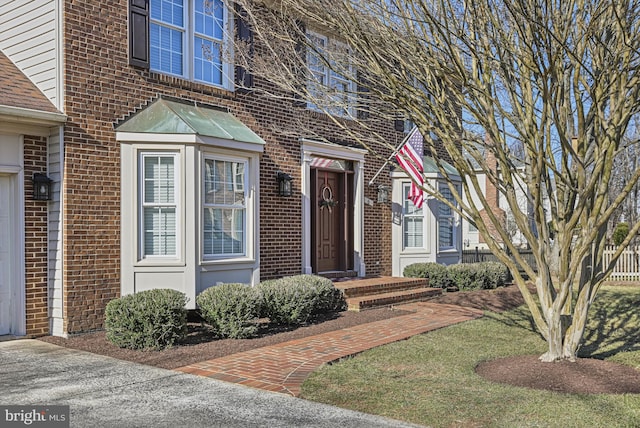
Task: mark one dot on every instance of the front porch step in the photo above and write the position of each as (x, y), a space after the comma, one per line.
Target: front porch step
(371, 301)
(368, 293)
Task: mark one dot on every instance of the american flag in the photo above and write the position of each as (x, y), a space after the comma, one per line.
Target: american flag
(410, 159)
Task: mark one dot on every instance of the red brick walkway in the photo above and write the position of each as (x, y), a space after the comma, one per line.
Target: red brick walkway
(283, 367)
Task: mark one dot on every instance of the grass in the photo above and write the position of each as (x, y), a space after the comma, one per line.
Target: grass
(430, 379)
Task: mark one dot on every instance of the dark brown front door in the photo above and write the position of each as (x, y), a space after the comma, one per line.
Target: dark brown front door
(331, 224)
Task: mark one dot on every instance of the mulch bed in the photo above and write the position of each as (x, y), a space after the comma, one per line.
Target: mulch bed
(585, 376)
(201, 344)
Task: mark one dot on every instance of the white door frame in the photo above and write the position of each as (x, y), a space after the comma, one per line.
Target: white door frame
(16, 244)
(315, 148)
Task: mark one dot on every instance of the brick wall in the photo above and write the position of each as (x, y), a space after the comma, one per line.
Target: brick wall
(492, 195)
(35, 257)
(100, 89)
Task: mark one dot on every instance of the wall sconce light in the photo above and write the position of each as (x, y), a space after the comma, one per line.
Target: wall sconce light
(41, 187)
(284, 184)
(383, 194)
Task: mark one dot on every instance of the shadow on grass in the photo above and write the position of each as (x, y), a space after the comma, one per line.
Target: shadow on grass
(519, 318)
(613, 325)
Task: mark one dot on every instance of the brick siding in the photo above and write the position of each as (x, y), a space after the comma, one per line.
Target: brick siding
(35, 239)
(102, 88)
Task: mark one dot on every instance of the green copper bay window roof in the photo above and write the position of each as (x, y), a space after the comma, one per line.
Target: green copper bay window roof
(172, 116)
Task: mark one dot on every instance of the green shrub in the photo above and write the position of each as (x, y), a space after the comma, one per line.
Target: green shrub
(466, 276)
(620, 233)
(496, 274)
(437, 273)
(474, 276)
(295, 300)
(152, 319)
(232, 310)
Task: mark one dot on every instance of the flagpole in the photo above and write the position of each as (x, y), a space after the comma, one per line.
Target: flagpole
(404, 141)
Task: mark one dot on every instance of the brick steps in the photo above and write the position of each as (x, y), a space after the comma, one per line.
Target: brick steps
(387, 299)
(369, 293)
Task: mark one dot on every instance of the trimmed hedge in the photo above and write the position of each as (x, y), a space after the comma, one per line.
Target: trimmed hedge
(435, 272)
(497, 273)
(151, 319)
(295, 300)
(467, 276)
(232, 310)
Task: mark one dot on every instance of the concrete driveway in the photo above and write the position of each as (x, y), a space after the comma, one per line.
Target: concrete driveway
(105, 392)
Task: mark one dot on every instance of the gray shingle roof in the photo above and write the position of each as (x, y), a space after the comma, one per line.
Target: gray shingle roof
(16, 90)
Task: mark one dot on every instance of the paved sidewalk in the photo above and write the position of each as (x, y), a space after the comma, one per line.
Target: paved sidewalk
(283, 367)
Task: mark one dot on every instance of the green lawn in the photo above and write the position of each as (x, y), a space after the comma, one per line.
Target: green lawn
(430, 379)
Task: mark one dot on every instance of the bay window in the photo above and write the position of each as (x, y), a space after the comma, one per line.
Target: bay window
(159, 205)
(446, 220)
(413, 221)
(224, 205)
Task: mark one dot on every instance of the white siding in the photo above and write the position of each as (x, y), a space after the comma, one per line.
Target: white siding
(29, 37)
(55, 234)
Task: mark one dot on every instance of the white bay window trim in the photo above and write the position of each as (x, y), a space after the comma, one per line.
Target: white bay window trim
(224, 201)
(413, 221)
(447, 219)
(249, 207)
(159, 200)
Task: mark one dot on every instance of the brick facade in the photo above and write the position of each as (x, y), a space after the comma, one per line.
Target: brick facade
(101, 88)
(36, 255)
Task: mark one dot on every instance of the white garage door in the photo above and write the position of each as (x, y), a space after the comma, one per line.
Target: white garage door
(7, 262)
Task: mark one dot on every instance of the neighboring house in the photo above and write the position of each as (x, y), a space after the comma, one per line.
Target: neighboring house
(499, 205)
(166, 171)
(432, 233)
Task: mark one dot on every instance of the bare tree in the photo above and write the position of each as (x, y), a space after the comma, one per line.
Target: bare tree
(557, 78)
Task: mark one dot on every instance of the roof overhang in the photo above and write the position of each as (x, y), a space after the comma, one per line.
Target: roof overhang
(27, 116)
(430, 167)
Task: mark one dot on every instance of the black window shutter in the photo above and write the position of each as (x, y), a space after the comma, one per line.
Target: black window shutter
(301, 75)
(139, 33)
(243, 78)
(363, 96)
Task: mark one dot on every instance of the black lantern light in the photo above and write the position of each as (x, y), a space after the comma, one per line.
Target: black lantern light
(41, 187)
(284, 184)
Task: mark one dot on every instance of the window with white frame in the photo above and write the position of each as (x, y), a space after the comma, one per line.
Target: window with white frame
(446, 219)
(329, 84)
(224, 216)
(412, 222)
(159, 205)
(187, 39)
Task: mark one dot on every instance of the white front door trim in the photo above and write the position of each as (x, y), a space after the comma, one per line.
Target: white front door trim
(310, 149)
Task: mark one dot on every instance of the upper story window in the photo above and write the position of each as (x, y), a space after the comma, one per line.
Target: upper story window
(188, 38)
(329, 83)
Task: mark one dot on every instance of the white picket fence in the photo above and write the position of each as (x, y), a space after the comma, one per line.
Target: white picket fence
(628, 265)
